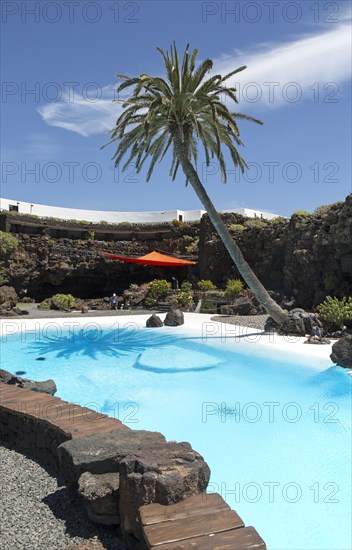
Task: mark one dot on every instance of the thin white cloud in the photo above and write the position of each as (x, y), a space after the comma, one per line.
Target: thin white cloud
(280, 74)
(277, 75)
(81, 115)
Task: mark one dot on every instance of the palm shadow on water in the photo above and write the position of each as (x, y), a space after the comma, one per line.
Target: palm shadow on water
(165, 370)
(96, 343)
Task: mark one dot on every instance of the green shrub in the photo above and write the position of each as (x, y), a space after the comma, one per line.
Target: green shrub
(183, 298)
(336, 312)
(63, 301)
(301, 214)
(193, 247)
(233, 287)
(3, 277)
(255, 223)
(157, 290)
(8, 245)
(322, 210)
(237, 227)
(206, 285)
(133, 287)
(186, 285)
(331, 283)
(124, 224)
(277, 220)
(44, 305)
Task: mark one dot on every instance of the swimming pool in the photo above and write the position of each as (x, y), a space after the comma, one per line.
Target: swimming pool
(274, 430)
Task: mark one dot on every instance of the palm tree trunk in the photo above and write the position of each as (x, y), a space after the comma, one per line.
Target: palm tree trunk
(274, 310)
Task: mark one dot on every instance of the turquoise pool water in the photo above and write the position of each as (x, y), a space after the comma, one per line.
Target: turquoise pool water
(277, 435)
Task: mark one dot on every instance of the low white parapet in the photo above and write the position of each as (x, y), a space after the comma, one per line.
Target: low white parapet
(97, 216)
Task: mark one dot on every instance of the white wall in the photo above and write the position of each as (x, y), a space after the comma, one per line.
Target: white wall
(117, 217)
(90, 215)
(253, 213)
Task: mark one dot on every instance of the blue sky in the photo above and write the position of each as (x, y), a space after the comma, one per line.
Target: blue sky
(59, 61)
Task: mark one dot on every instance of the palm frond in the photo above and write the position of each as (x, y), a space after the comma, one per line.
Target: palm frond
(185, 105)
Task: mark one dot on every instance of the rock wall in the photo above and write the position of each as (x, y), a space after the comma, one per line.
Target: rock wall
(308, 257)
(43, 266)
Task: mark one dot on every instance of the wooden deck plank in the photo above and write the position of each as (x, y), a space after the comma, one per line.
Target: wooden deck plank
(176, 530)
(202, 503)
(236, 539)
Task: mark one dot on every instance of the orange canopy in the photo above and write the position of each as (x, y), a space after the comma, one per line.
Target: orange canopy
(153, 258)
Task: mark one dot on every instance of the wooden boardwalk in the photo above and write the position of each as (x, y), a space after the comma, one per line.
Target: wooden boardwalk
(200, 522)
(72, 420)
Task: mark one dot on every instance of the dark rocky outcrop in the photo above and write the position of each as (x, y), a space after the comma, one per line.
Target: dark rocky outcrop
(154, 321)
(174, 318)
(342, 352)
(241, 306)
(164, 474)
(8, 301)
(298, 322)
(322, 342)
(306, 258)
(100, 494)
(102, 453)
(43, 266)
(48, 386)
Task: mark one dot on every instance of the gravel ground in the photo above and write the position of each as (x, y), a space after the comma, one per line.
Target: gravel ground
(252, 321)
(36, 514)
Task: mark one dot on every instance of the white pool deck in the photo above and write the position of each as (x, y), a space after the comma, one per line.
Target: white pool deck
(289, 349)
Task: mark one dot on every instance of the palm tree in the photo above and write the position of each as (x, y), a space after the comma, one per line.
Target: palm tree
(180, 111)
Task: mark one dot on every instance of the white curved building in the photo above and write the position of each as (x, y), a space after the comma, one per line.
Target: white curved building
(42, 210)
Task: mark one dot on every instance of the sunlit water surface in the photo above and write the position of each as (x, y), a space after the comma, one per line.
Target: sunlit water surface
(276, 435)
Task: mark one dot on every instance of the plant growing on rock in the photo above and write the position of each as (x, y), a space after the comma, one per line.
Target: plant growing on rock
(336, 312)
(205, 285)
(63, 301)
(278, 220)
(255, 223)
(157, 290)
(332, 283)
(4, 279)
(301, 214)
(183, 298)
(186, 285)
(237, 227)
(233, 287)
(8, 245)
(326, 208)
(193, 247)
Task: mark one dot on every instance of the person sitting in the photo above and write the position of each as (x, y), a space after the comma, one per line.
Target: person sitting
(315, 335)
(113, 301)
